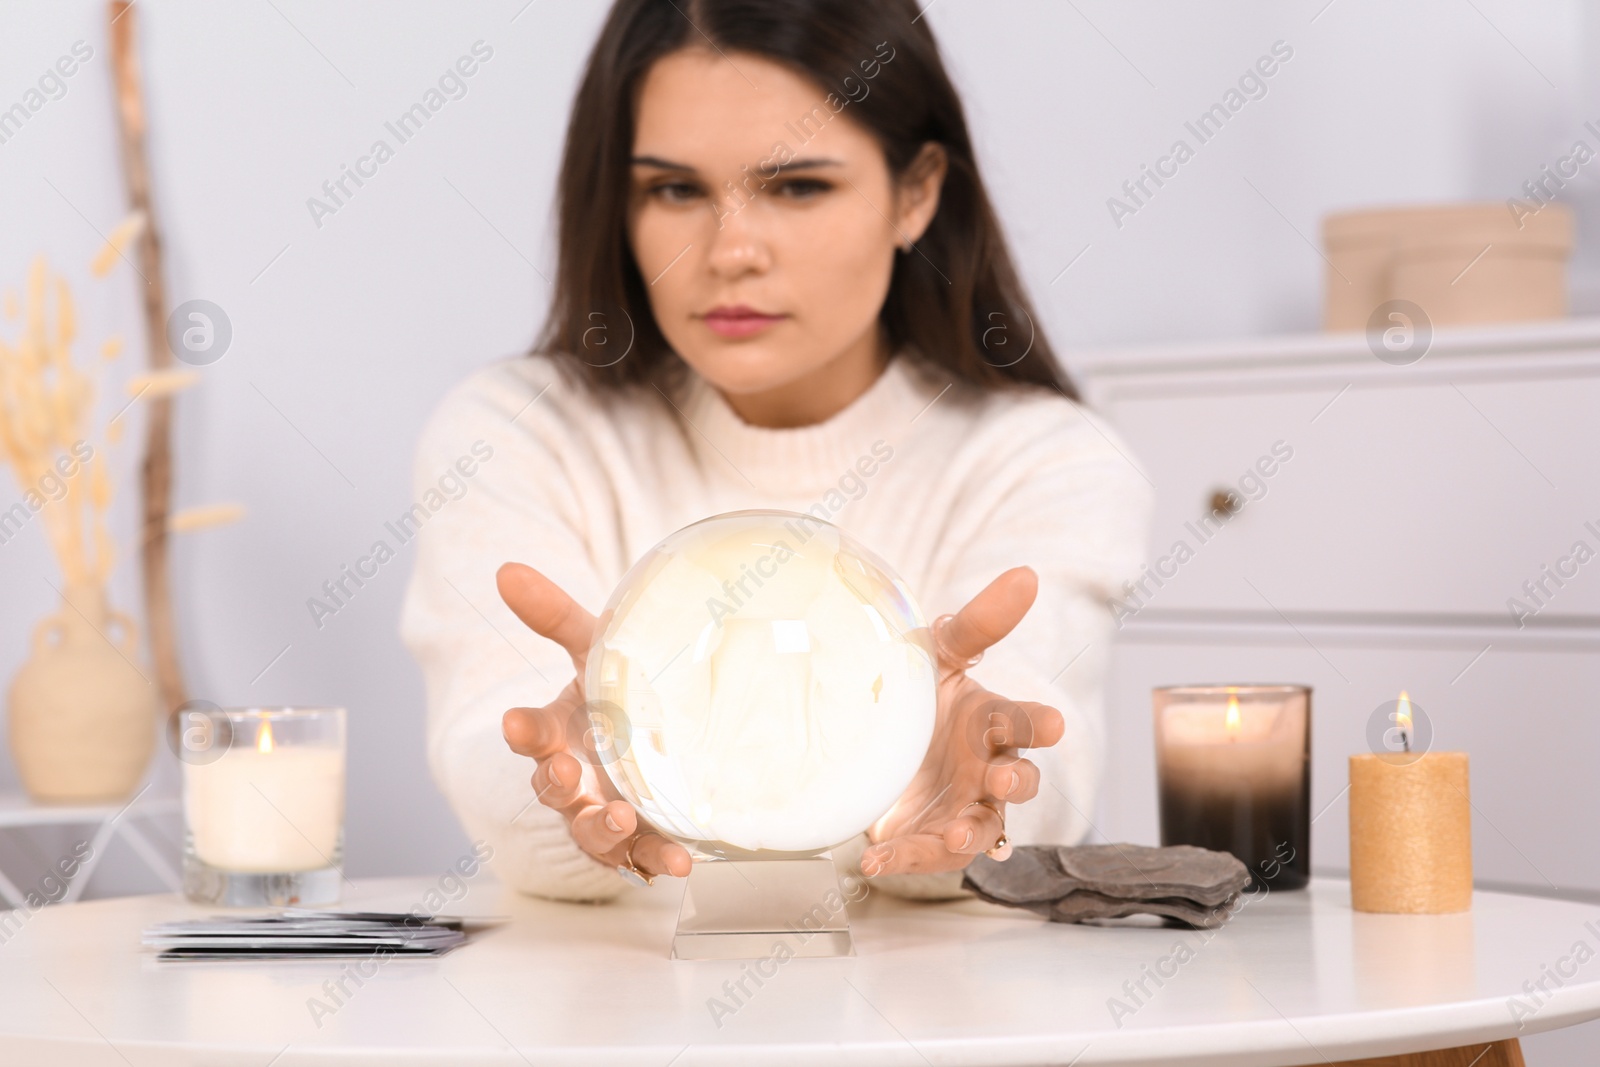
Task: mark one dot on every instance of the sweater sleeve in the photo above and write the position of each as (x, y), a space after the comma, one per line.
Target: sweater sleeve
(1069, 503)
(477, 658)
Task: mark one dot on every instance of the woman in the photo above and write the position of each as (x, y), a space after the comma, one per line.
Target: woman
(780, 284)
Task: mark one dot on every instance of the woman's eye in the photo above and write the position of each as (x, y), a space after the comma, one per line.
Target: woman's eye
(803, 188)
(675, 192)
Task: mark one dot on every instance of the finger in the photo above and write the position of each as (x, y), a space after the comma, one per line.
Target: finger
(655, 854)
(912, 854)
(558, 781)
(1046, 725)
(546, 609)
(990, 615)
(975, 831)
(535, 732)
(1014, 782)
(1012, 724)
(600, 828)
(996, 727)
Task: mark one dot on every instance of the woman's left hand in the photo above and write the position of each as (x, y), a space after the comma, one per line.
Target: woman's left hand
(955, 806)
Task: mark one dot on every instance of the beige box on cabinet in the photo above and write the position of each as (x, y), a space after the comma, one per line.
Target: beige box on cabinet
(1460, 263)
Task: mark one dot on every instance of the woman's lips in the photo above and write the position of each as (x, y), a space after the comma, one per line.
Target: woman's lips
(739, 321)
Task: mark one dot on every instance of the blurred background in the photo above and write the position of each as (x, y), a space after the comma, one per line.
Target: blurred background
(1421, 497)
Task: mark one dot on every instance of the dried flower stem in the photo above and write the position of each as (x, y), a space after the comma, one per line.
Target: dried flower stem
(45, 404)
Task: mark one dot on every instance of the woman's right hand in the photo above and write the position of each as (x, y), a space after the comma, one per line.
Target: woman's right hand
(601, 822)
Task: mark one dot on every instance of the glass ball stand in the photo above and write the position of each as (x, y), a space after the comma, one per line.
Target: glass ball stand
(751, 909)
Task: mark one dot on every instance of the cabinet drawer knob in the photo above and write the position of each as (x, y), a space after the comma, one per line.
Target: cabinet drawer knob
(1225, 502)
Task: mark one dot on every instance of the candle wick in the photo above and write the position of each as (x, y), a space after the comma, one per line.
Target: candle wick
(1405, 739)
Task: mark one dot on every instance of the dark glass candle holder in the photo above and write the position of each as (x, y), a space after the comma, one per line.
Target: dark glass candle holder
(1233, 765)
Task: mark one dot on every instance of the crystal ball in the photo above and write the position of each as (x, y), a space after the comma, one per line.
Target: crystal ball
(761, 684)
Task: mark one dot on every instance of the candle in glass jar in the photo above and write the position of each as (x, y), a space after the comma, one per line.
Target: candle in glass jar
(1234, 771)
(264, 806)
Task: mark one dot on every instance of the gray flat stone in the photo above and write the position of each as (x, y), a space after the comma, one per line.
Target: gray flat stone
(1194, 886)
(1083, 905)
(1031, 875)
(1140, 872)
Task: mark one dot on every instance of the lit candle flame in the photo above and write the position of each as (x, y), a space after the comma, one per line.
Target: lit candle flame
(1232, 721)
(264, 737)
(1402, 719)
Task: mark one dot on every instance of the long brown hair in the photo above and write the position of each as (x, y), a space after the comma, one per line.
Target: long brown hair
(955, 297)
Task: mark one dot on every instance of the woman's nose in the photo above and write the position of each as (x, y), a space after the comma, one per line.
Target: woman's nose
(738, 246)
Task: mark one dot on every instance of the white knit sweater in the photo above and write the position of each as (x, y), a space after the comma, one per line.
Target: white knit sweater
(521, 462)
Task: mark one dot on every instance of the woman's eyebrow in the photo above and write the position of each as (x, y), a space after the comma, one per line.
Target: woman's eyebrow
(657, 161)
(793, 164)
(806, 164)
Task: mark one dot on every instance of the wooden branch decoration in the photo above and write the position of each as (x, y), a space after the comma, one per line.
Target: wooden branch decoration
(156, 470)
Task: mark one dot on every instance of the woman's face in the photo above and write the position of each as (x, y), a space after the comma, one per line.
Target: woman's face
(804, 237)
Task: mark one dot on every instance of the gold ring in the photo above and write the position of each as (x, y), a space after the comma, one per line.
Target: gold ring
(631, 872)
(1001, 847)
(944, 650)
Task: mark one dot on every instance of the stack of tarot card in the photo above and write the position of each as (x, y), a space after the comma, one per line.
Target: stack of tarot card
(299, 934)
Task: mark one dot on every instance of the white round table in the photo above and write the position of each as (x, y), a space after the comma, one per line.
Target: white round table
(1295, 978)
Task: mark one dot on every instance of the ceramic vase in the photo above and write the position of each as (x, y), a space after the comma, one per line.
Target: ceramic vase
(82, 715)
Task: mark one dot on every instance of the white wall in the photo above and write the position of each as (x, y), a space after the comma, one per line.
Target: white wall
(346, 333)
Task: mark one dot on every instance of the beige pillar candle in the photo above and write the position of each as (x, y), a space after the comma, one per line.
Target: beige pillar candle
(1410, 833)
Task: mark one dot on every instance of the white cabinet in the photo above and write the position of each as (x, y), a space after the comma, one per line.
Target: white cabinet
(1433, 527)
